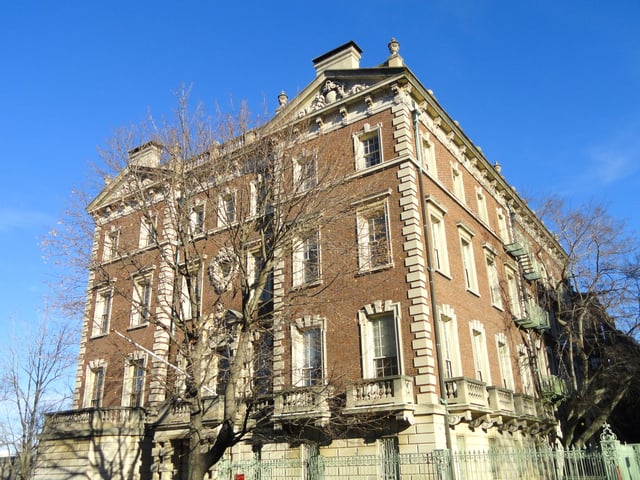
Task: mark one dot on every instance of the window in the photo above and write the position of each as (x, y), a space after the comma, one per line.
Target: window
(503, 229)
(368, 148)
(504, 359)
(259, 196)
(379, 327)
(255, 268)
(189, 295)
(494, 283)
(306, 259)
(134, 378)
(102, 313)
(449, 342)
(196, 220)
(514, 292)
(468, 261)
(94, 384)
(374, 248)
(226, 209)
(304, 173)
(524, 363)
(458, 185)
(148, 233)
(439, 241)
(479, 348)
(307, 354)
(429, 157)
(141, 306)
(110, 250)
(482, 205)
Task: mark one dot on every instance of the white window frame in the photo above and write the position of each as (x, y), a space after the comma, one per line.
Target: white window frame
(102, 312)
(495, 290)
(457, 183)
(429, 156)
(481, 198)
(306, 259)
(184, 299)
(450, 344)
(93, 392)
(227, 209)
(142, 298)
(503, 226)
(305, 172)
(371, 312)
(468, 259)
(148, 232)
(359, 145)
(111, 244)
(300, 330)
(504, 361)
(439, 248)
(134, 384)
(367, 260)
(513, 285)
(253, 256)
(479, 350)
(197, 219)
(524, 364)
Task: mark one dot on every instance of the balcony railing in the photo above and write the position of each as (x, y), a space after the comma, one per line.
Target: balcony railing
(466, 394)
(535, 317)
(386, 394)
(303, 403)
(501, 400)
(91, 420)
(525, 405)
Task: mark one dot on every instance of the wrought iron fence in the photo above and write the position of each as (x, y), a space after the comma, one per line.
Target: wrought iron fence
(534, 464)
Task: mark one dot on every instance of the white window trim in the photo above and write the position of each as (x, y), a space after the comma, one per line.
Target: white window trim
(362, 227)
(90, 379)
(479, 350)
(297, 329)
(504, 361)
(100, 325)
(111, 244)
(128, 378)
(366, 334)
(457, 183)
(358, 146)
(429, 155)
(468, 259)
(449, 335)
(483, 211)
(299, 262)
(301, 183)
(223, 200)
(493, 278)
(198, 219)
(184, 299)
(513, 285)
(148, 233)
(137, 317)
(438, 233)
(503, 226)
(524, 366)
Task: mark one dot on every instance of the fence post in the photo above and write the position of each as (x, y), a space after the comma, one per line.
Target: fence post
(609, 446)
(442, 460)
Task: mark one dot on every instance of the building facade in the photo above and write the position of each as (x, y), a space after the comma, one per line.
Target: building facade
(412, 318)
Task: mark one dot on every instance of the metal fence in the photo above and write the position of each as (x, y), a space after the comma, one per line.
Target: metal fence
(538, 464)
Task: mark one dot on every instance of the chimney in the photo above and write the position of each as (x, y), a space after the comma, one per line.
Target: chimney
(346, 56)
(146, 155)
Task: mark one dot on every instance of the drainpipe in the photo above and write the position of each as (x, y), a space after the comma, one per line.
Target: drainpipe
(432, 288)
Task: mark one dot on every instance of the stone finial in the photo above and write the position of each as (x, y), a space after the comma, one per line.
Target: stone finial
(497, 167)
(394, 60)
(283, 98)
(394, 46)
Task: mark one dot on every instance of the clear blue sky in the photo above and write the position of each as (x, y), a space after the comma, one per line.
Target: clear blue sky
(548, 88)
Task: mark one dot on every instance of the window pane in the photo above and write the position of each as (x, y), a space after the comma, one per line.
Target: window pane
(371, 148)
(384, 346)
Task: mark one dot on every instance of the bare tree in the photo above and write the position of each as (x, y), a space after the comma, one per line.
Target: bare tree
(224, 201)
(34, 377)
(597, 302)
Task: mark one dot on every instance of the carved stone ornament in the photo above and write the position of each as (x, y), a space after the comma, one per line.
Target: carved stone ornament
(222, 270)
(331, 92)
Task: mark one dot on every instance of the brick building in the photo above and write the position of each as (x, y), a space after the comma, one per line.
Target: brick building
(411, 318)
